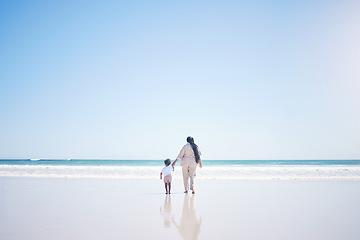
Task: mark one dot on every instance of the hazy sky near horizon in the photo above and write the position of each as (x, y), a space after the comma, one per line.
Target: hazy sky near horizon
(132, 79)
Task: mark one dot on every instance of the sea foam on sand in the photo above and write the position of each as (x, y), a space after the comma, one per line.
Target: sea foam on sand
(280, 172)
(60, 208)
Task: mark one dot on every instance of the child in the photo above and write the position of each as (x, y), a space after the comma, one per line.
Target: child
(166, 171)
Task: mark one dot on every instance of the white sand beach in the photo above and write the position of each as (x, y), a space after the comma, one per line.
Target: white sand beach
(58, 208)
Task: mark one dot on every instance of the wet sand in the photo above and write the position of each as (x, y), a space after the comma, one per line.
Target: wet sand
(46, 208)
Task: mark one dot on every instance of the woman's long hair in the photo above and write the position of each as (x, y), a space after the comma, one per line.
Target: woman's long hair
(194, 147)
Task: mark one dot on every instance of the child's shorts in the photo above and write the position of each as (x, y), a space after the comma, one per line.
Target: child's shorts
(167, 178)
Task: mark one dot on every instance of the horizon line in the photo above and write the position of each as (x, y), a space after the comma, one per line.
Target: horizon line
(113, 159)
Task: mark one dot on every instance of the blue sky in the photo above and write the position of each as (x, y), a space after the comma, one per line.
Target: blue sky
(132, 79)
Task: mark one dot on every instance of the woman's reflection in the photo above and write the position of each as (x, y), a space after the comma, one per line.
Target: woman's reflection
(189, 226)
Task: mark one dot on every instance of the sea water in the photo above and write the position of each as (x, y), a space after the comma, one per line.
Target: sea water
(212, 169)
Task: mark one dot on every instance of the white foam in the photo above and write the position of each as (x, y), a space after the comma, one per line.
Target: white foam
(213, 172)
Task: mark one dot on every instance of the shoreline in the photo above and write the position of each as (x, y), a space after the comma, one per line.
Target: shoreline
(284, 172)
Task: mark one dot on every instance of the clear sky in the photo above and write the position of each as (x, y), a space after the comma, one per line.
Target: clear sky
(132, 79)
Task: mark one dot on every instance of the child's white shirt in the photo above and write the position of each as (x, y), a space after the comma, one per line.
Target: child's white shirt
(167, 170)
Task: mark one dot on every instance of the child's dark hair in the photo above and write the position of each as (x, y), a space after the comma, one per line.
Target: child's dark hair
(167, 162)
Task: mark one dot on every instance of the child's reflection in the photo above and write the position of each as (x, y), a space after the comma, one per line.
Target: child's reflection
(165, 211)
(189, 227)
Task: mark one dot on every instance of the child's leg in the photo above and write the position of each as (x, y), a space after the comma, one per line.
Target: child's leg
(169, 184)
(166, 187)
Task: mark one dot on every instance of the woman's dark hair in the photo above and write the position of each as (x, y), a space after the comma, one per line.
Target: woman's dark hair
(194, 147)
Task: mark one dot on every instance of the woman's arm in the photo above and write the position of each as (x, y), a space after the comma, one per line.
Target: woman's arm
(173, 164)
(200, 162)
(179, 157)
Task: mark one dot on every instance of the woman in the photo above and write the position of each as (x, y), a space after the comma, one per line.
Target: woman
(190, 158)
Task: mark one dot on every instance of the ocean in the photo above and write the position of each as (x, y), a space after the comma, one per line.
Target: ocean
(212, 169)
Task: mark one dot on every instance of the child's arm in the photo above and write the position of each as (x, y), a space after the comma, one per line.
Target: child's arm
(161, 175)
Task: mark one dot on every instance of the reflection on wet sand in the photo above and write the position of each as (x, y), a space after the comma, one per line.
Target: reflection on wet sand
(165, 211)
(189, 226)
